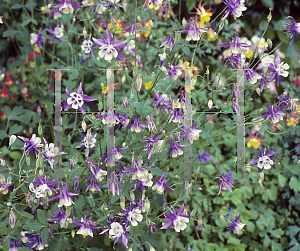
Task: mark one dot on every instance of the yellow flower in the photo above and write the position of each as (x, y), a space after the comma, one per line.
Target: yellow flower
(291, 122)
(249, 54)
(253, 142)
(153, 7)
(148, 85)
(118, 28)
(104, 89)
(211, 35)
(148, 26)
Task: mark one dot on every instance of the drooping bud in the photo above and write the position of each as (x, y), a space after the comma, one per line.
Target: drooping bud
(258, 90)
(73, 233)
(222, 217)
(84, 32)
(200, 223)
(193, 212)
(132, 196)
(152, 227)
(83, 125)
(138, 82)
(152, 248)
(39, 110)
(125, 102)
(187, 187)
(123, 79)
(76, 182)
(12, 139)
(269, 16)
(147, 205)
(210, 104)
(150, 123)
(122, 201)
(12, 218)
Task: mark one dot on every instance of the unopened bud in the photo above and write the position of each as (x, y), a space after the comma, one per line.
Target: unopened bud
(83, 125)
(200, 222)
(258, 90)
(76, 182)
(73, 233)
(187, 187)
(152, 248)
(41, 172)
(132, 196)
(12, 139)
(84, 32)
(123, 79)
(269, 42)
(222, 217)
(122, 201)
(138, 82)
(193, 212)
(12, 218)
(125, 102)
(39, 110)
(210, 104)
(147, 205)
(269, 16)
(152, 227)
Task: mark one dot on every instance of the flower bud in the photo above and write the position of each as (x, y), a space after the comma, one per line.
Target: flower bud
(122, 201)
(210, 104)
(132, 196)
(12, 218)
(269, 17)
(41, 172)
(150, 123)
(51, 232)
(39, 110)
(84, 32)
(193, 212)
(83, 125)
(123, 79)
(152, 248)
(222, 217)
(12, 139)
(125, 102)
(138, 82)
(200, 222)
(73, 233)
(76, 182)
(147, 205)
(152, 227)
(187, 188)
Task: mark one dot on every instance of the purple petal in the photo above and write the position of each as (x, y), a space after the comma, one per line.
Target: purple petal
(107, 36)
(79, 90)
(271, 153)
(167, 224)
(88, 99)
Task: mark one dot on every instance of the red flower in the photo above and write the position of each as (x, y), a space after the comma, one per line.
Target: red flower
(297, 81)
(4, 93)
(9, 80)
(2, 116)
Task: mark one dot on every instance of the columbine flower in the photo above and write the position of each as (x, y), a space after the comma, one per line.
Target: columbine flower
(34, 240)
(235, 45)
(174, 149)
(251, 75)
(57, 33)
(162, 57)
(12, 218)
(40, 191)
(93, 186)
(3, 163)
(107, 47)
(176, 219)
(274, 114)
(132, 29)
(278, 69)
(12, 139)
(66, 6)
(76, 99)
(76, 182)
(151, 142)
(37, 39)
(161, 184)
(177, 110)
(152, 227)
(132, 215)
(113, 184)
(172, 71)
(235, 7)
(117, 231)
(190, 132)
(61, 217)
(130, 48)
(4, 184)
(293, 28)
(156, 3)
(254, 141)
(50, 152)
(86, 227)
(169, 42)
(161, 101)
(235, 224)
(204, 157)
(31, 144)
(64, 196)
(202, 13)
(88, 141)
(226, 182)
(194, 32)
(96, 171)
(150, 123)
(14, 245)
(263, 161)
(44, 185)
(136, 126)
(86, 47)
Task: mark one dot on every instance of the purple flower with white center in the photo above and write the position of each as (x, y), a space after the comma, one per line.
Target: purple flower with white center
(274, 114)
(160, 101)
(169, 42)
(107, 47)
(14, 244)
(66, 6)
(37, 39)
(235, 60)
(88, 141)
(117, 231)
(50, 152)
(293, 28)
(136, 126)
(174, 149)
(132, 215)
(64, 196)
(56, 33)
(12, 218)
(226, 182)
(204, 157)
(130, 48)
(75, 99)
(55, 13)
(41, 191)
(265, 81)
(87, 47)
(161, 184)
(162, 58)
(93, 186)
(150, 123)
(152, 227)
(235, 45)
(177, 111)
(31, 144)
(151, 142)
(251, 75)
(61, 217)
(110, 118)
(76, 182)
(112, 4)
(113, 184)
(154, 2)
(284, 101)
(3, 163)
(97, 171)
(194, 32)
(86, 227)
(123, 120)
(4, 185)
(234, 7)
(263, 161)
(278, 69)
(176, 219)
(190, 132)
(132, 29)
(172, 71)
(235, 224)
(34, 240)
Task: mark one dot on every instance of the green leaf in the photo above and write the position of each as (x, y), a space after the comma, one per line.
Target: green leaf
(44, 235)
(267, 240)
(26, 215)
(158, 171)
(16, 6)
(15, 129)
(294, 184)
(281, 180)
(26, 22)
(99, 63)
(9, 33)
(233, 240)
(250, 227)
(208, 126)
(236, 196)
(190, 4)
(292, 230)
(186, 51)
(74, 75)
(144, 29)
(277, 233)
(41, 216)
(16, 63)
(91, 201)
(29, 5)
(33, 226)
(3, 134)
(268, 3)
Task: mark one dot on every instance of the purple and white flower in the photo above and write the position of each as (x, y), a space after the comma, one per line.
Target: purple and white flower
(162, 57)
(274, 114)
(31, 144)
(61, 217)
(132, 215)
(194, 32)
(190, 132)
(234, 7)
(66, 6)
(151, 141)
(169, 42)
(86, 227)
(226, 182)
(88, 141)
(34, 240)
(160, 101)
(278, 69)
(235, 224)
(113, 184)
(251, 75)
(87, 47)
(136, 126)
(235, 45)
(172, 71)
(161, 184)
(293, 28)
(93, 186)
(57, 33)
(174, 149)
(204, 157)
(14, 245)
(263, 161)
(64, 196)
(37, 39)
